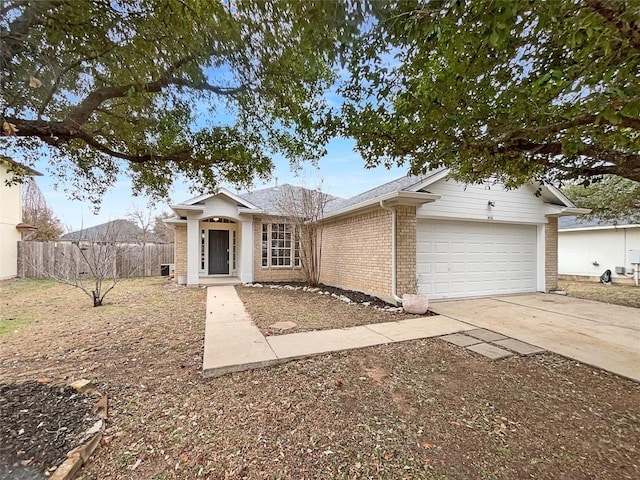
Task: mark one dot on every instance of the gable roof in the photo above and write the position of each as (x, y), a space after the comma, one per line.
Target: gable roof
(124, 231)
(409, 188)
(402, 184)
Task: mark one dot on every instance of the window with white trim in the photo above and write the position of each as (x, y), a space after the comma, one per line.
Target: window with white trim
(280, 245)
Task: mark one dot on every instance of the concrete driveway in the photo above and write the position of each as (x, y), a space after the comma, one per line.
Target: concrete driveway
(598, 334)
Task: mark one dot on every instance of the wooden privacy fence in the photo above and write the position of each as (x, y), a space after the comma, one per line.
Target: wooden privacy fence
(53, 259)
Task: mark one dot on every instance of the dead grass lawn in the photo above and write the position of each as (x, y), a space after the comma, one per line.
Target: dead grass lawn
(415, 410)
(616, 293)
(308, 310)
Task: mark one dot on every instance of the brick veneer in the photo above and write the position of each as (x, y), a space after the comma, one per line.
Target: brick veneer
(180, 250)
(270, 274)
(406, 225)
(356, 253)
(551, 254)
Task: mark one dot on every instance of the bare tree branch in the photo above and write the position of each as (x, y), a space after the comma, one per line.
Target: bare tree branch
(303, 209)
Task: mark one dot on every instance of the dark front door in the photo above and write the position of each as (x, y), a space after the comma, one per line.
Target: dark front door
(218, 251)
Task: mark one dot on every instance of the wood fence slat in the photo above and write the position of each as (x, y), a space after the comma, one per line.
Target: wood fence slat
(48, 259)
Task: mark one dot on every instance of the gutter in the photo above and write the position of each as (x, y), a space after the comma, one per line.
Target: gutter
(394, 278)
(406, 198)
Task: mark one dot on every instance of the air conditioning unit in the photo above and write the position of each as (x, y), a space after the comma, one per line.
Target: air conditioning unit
(167, 269)
(620, 270)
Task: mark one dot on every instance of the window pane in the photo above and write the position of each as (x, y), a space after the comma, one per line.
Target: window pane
(265, 244)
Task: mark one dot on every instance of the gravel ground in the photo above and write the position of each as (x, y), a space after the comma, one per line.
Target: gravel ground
(415, 410)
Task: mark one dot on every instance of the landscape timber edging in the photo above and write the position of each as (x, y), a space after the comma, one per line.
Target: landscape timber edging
(79, 455)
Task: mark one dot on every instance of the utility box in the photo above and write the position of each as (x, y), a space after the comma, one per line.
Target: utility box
(620, 270)
(634, 256)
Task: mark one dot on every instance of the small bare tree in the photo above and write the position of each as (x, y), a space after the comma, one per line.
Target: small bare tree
(162, 230)
(303, 209)
(143, 219)
(92, 265)
(37, 213)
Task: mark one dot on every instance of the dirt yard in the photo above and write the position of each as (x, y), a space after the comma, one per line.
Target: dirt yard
(616, 293)
(416, 410)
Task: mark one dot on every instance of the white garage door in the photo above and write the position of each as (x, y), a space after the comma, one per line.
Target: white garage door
(463, 259)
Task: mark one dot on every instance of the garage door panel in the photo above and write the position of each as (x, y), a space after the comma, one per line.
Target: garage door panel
(441, 267)
(470, 258)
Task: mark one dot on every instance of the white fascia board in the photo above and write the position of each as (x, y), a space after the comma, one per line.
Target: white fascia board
(250, 210)
(173, 221)
(394, 198)
(558, 211)
(223, 191)
(183, 210)
(199, 198)
(556, 192)
(238, 199)
(431, 179)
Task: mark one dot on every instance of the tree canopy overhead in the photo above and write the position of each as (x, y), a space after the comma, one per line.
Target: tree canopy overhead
(202, 89)
(612, 199)
(512, 90)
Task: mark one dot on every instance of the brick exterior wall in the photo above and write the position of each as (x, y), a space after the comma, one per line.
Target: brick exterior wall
(180, 250)
(270, 274)
(356, 253)
(406, 224)
(551, 253)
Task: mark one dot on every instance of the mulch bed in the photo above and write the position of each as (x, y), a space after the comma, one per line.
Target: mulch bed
(39, 425)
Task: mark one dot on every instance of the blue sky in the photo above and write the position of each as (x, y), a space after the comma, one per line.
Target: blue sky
(342, 173)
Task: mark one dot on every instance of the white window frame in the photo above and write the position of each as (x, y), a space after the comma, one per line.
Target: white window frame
(280, 244)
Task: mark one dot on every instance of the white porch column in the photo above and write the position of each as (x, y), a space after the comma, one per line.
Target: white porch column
(246, 251)
(193, 251)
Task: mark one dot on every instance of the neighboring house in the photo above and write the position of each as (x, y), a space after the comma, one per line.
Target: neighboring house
(11, 226)
(429, 234)
(120, 231)
(588, 248)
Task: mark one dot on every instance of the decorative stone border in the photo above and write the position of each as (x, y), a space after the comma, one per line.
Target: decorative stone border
(319, 291)
(79, 455)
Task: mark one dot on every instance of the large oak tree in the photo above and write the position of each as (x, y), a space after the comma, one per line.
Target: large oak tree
(159, 88)
(514, 90)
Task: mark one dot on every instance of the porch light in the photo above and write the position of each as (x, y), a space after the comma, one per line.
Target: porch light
(215, 219)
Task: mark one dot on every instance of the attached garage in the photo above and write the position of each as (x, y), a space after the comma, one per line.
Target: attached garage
(466, 258)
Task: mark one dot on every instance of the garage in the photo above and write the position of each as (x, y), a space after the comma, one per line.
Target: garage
(465, 259)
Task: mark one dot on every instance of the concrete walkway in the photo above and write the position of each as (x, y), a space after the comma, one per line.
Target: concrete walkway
(599, 334)
(605, 336)
(233, 343)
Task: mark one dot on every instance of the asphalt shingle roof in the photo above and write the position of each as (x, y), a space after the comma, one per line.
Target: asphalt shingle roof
(399, 184)
(565, 223)
(125, 231)
(267, 198)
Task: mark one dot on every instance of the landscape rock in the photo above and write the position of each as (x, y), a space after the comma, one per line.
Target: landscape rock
(283, 325)
(417, 304)
(82, 386)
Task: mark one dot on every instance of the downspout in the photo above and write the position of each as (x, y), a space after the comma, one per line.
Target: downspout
(393, 252)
